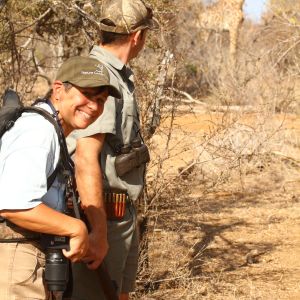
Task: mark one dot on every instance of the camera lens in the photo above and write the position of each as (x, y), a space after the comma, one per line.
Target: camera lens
(56, 270)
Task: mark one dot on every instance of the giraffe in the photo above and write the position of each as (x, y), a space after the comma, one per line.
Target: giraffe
(224, 15)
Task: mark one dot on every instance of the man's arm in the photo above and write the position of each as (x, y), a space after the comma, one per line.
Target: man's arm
(89, 184)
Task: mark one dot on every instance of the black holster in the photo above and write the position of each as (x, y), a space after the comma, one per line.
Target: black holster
(134, 158)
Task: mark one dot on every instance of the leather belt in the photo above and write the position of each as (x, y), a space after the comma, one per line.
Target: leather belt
(11, 233)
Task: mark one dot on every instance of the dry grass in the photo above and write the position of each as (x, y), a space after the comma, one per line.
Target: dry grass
(236, 238)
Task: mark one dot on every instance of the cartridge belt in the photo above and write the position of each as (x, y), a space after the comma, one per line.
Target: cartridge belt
(11, 233)
(115, 205)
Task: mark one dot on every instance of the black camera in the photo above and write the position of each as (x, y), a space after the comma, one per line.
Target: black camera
(57, 265)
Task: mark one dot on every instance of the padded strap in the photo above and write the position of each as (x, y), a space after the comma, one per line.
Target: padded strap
(52, 177)
(49, 118)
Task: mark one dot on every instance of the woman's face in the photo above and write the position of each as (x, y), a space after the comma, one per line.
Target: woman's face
(78, 107)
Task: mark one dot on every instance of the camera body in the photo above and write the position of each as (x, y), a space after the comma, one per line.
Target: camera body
(131, 156)
(57, 265)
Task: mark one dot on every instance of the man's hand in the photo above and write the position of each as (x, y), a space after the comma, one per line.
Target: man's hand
(98, 245)
(98, 248)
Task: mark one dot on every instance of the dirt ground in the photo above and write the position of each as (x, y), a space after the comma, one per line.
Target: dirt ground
(239, 239)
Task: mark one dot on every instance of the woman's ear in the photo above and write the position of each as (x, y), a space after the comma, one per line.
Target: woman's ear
(57, 88)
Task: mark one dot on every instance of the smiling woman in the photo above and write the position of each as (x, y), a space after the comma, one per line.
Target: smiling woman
(79, 92)
(76, 100)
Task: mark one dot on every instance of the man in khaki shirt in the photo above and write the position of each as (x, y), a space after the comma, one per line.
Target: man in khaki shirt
(124, 25)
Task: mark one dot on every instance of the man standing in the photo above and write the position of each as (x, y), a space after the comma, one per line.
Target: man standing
(124, 25)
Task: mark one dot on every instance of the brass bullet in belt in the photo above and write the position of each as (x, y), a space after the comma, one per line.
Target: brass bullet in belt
(116, 205)
(123, 204)
(120, 206)
(111, 206)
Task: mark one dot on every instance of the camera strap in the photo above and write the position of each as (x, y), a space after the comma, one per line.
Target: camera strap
(66, 161)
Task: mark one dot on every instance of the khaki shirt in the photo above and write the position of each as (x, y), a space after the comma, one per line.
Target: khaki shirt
(120, 122)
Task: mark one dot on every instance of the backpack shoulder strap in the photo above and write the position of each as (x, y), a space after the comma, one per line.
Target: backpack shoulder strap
(43, 113)
(52, 177)
(13, 108)
(49, 118)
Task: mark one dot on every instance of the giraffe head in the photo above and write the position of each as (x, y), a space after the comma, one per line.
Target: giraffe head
(223, 15)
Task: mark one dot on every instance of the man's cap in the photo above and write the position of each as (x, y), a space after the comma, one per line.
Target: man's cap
(86, 72)
(126, 16)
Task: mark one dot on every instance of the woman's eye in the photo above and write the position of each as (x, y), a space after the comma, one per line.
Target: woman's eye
(86, 94)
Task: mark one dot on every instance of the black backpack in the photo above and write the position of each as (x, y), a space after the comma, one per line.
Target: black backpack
(13, 108)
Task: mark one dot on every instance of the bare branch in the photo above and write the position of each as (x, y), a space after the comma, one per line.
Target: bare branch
(45, 14)
(86, 16)
(154, 119)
